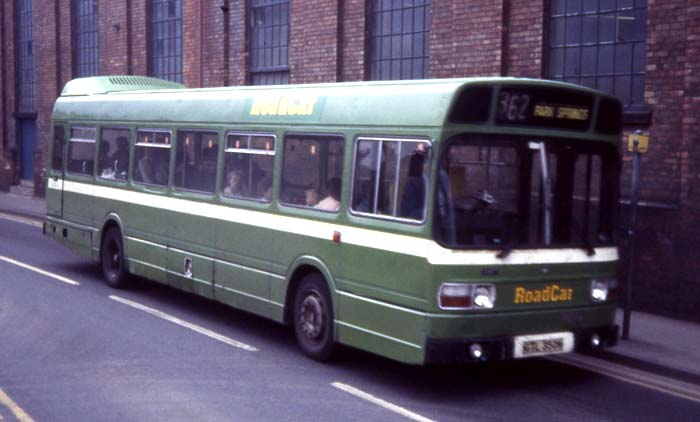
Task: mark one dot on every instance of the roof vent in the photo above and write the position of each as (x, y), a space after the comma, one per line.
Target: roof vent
(106, 84)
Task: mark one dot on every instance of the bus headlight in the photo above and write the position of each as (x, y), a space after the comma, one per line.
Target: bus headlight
(603, 289)
(484, 296)
(460, 296)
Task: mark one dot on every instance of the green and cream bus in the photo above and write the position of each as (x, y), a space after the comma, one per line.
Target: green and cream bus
(450, 220)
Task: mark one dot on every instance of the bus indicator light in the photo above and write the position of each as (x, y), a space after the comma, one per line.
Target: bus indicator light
(336, 237)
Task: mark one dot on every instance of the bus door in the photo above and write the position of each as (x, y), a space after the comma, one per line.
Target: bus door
(54, 188)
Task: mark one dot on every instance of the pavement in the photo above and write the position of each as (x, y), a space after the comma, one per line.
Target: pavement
(657, 344)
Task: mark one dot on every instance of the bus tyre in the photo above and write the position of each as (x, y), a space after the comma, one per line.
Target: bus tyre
(313, 317)
(112, 259)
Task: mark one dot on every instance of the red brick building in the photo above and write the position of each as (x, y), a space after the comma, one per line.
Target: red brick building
(645, 51)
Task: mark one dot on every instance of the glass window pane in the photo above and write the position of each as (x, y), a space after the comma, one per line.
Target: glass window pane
(623, 58)
(589, 60)
(558, 31)
(573, 30)
(556, 62)
(590, 29)
(572, 65)
(606, 56)
(57, 154)
(312, 171)
(195, 161)
(113, 161)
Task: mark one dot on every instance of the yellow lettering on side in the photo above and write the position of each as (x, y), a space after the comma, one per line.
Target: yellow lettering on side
(310, 104)
(283, 108)
(519, 295)
(255, 108)
(555, 293)
(270, 107)
(528, 296)
(546, 294)
(537, 298)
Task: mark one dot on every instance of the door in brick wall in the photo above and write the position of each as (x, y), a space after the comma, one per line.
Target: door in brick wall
(27, 145)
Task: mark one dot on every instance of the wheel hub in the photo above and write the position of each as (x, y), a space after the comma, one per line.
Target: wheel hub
(311, 316)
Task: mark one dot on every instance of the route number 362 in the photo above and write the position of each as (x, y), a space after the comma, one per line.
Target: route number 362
(512, 107)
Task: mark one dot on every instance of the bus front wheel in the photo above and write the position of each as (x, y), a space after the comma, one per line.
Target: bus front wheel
(112, 259)
(313, 317)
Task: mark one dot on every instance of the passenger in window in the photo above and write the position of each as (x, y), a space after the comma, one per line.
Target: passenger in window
(265, 189)
(332, 201)
(234, 185)
(120, 158)
(104, 162)
(152, 171)
(311, 197)
(412, 200)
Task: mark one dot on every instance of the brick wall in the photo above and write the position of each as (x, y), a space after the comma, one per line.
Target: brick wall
(313, 41)
(353, 39)
(465, 38)
(238, 44)
(524, 34)
(138, 37)
(112, 37)
(9, 93)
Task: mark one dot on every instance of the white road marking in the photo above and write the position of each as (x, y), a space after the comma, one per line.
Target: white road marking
(21, 219)
(19, 413)
(379, 402)
(630, 375)
(188, 325)
(39, 271)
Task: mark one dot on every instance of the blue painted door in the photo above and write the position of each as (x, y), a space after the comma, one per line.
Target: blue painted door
(27, 145)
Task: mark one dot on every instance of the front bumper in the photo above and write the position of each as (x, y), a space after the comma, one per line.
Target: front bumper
(501, 348)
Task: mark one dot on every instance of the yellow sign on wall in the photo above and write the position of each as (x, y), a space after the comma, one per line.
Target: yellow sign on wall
(642, 141)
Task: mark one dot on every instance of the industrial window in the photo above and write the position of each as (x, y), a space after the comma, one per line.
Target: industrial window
(86, 48)
(599, 44)
(391, 178)
(166, 39)
(81, 150)
(248, 164)
(25, 55)
(113, 154)
(398, 39)
(195, 160)
(312, 171)
(152, 157)
(269, 42)
(57, 149)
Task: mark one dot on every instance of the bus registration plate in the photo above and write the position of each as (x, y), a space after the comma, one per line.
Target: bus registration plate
(543, 344)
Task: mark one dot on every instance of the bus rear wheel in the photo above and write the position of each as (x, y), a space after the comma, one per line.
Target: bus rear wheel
(112, 259)
(313, 317)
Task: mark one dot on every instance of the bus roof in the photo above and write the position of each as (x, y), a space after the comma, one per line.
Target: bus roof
(133, 99)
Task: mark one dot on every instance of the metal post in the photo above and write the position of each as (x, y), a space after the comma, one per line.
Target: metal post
(631, 235)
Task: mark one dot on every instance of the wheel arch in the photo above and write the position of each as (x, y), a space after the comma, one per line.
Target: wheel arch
(301, 267)
(112, 220)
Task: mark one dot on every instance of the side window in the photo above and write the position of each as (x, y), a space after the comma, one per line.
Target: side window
(312, 171)
(152, 157)
(113, 154)
(81, 150)
(195, 160)
(57, 148)
(391, 178)
(248, 163)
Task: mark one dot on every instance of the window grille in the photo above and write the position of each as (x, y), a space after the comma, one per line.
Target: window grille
(25, 55)
(599, 44)
(86, 48)
(269, 42)
(166, 39)
(398, 39)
